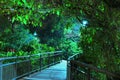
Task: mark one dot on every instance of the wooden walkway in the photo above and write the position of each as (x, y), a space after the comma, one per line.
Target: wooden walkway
(56, 72)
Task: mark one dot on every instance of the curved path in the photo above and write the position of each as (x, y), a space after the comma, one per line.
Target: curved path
(56, 72)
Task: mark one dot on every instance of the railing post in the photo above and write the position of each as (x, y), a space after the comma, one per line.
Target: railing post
(48, 56)
(40, 62)
(61, 56)
(54, 58)
(68, 70)
(1, 70)
(16, 60)
(71, 70)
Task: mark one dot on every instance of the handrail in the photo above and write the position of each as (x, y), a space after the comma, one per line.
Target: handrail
(78, 63)
(7, 58)
(16, 57)
(74, 65)
(73, 56)
(20, 66)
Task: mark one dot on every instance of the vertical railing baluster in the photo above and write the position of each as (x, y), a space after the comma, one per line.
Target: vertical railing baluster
(29, 67)
(30, 64)
(1, 71)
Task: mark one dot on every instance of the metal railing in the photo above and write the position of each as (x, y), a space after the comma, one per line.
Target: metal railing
(81, 71)
(14, 68)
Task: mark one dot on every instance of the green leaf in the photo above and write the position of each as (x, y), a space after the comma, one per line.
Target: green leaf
(58, 12)
(19, 3)
(68, 5)
(24, 21)
(13, 19)
(41, 24)
(24, 1)
(26, 17)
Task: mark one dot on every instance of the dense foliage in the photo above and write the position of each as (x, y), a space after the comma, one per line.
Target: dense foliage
(99, 39)
(19, 41)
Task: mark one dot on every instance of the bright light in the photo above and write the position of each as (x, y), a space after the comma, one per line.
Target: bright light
(35, 34)
(84, 22)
